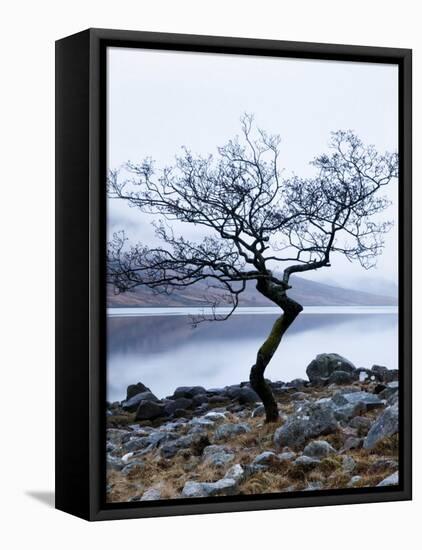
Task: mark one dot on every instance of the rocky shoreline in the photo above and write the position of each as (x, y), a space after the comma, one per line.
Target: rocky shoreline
(339, 429)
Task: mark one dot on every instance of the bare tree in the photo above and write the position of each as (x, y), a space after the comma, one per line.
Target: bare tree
(260, 227)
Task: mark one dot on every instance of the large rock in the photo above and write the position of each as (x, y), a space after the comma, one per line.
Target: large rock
(153, 493)
(194, 489)
(196, 441)
(149, 410)
(132, 404)
(248, 395)
(393, 479)
(226, 431)
(171, 406)
(324, 365)
(134, 389)
(312, 421)
(236, 472)
(341, 377)
(267, 458)
(306, 463)
(217, 455)
(188, 391)
(368, 401)
(385, 375)
(318, 449)
(386, 425)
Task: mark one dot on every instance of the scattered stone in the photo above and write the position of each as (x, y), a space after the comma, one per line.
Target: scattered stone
(352, 443)
(383, 464)
(236, 472)
(153, 493)
(314, 486)
(226, 431)
(133, 466)
(368, 400)
(217, 455)
(313, 421)
(322, 367)
(389, 391)
(393, 479)
(361, 423)
(286, 456)
(132, 404)
(194, 489)
(297, 384)
(215, 416)
(355, 480)
(318, 449)
(148, 410)
(114, 463)
(267, 458)
(386, 425)
(348, 464)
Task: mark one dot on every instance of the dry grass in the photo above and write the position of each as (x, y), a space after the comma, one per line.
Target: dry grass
(172, 474)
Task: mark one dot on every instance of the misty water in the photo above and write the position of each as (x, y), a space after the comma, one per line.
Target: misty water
(161, 348)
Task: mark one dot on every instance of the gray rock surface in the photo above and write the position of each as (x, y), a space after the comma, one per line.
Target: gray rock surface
(267, 458)
(312, 421)
(132, 404)
(134, 389)
(393, 479)
(318, 449)
(306, 462)
(366, 399)
(387, 424)
(226, 431)
(149, 410)
(322, 367)
(194, 489)
(217, 455)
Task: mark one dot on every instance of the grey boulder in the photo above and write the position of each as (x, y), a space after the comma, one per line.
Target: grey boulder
(386, 425)
(134, 389)
(132, 404)
(195, 489)
(312, 421)
(318, 449)
(322, 367)
(393, 479)
(149, 410)
(226, 431)
(217, 455)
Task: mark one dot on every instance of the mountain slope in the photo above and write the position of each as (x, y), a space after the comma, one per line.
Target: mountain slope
(306, 292)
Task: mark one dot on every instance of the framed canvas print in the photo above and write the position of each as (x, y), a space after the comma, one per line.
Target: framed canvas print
(233, 274)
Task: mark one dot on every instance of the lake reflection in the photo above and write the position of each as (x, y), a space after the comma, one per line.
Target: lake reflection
(164, 352)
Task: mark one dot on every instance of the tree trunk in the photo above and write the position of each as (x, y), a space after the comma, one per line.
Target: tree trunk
(291, 310)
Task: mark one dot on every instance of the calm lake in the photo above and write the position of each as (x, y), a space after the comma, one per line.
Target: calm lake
(161, 348)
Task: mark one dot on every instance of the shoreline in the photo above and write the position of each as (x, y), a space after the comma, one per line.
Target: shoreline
(334, 432)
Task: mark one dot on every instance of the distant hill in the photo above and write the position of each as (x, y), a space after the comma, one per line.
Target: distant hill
(306, 292)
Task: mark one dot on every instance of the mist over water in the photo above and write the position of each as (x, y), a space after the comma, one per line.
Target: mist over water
(164, 352)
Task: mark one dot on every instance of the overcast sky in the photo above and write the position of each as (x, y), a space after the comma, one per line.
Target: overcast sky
(159, 101)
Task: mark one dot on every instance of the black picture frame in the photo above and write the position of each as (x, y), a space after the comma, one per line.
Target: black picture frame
(80, 270)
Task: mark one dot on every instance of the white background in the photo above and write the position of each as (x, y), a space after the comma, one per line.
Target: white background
(27, 277)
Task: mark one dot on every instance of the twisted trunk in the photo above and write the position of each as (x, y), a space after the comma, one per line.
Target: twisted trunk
(291, 310)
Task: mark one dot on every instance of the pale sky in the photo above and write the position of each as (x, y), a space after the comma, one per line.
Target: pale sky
(160, 101)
